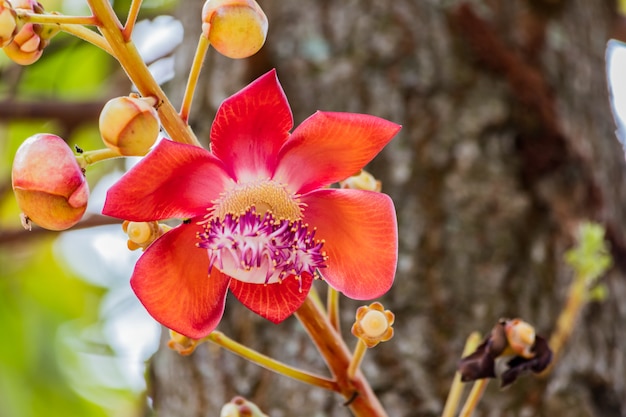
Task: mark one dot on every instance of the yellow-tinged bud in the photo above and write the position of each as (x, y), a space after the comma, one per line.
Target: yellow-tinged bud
(373, 324)
(182, 344)
(26, 47)
(240, 407)
(8, 23)
(521, 337)
(31, 38)
(48, 183)
(129, 125)
(235, 28)
(362, 181)
(142, 234)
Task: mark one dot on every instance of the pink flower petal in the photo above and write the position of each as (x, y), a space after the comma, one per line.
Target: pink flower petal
(332, 146)
(171, 280)
(250, 127)
(173, 180)
(361, 239)
(275, 302)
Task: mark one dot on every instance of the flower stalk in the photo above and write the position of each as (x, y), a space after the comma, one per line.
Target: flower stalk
(332, 306)
(87, 35)
(194, 74)
(128, 56)
(358, 394)
(55, 19)
(133, 12)
(474, 397)
(91, 157)
(266, 362)
(456, 389)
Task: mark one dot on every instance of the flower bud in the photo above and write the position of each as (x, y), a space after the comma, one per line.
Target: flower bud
(373, 324)
(362, 181)
(30, 39)
(8, 23)
(48, 183)
(235, 28)
(240, 407)
(129, 125)
(521, 337)
(184, 345)
(26, 47)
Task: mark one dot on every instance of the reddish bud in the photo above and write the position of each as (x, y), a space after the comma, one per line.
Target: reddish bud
(30, 39)
(26, 47)
(129, 125)
(8, 23)
(235, 28)
(48, 183)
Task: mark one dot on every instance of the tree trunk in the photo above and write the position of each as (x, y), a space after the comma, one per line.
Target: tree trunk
(507, 145)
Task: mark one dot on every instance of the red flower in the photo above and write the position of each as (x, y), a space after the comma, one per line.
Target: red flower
(261, 221)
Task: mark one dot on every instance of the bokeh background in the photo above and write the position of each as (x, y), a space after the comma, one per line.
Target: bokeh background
(508, 144)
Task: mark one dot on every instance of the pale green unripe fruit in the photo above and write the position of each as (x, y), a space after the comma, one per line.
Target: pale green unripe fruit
(129, 125)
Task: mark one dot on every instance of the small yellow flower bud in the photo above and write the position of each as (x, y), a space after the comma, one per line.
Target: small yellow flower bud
(235, 28)
(129, 125)
(142, 234)
(373, 324)
(48, 183)
(362, 181)
(240, 407)
(8, 23)
(521, 337)
(184, 345)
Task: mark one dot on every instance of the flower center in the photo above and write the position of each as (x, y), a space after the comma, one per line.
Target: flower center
(254, 233)
(260, 249)
(264, 196)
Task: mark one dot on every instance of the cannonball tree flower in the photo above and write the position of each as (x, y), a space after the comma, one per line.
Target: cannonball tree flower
(259, 219)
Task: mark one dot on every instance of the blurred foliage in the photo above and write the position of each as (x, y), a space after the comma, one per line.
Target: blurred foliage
(54, 359)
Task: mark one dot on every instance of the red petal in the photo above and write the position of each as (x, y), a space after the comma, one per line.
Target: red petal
(361, 239)
(250, 127)
(173, 180)
(332, 146)
(171, 280)
(274, 302)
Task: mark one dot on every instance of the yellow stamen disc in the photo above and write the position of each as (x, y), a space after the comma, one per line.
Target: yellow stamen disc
(264, 196)
(374, 323)
(139, 232)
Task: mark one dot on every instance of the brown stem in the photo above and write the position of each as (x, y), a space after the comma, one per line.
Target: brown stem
(357, 391)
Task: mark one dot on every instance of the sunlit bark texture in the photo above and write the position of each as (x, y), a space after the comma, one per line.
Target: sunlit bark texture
(508, 144)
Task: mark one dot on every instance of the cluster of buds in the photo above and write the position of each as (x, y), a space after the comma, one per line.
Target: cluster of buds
(513, 338)
(235, 28)
(48, 183)
(23, 42)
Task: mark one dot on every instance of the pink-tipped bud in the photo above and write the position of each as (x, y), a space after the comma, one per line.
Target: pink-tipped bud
(30, 39)
(26, 47)
(8, 23)
(129, 125)
(235, 28)
(48, 183)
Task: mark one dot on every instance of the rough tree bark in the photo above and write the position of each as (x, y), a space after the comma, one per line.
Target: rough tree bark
(508, 143)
